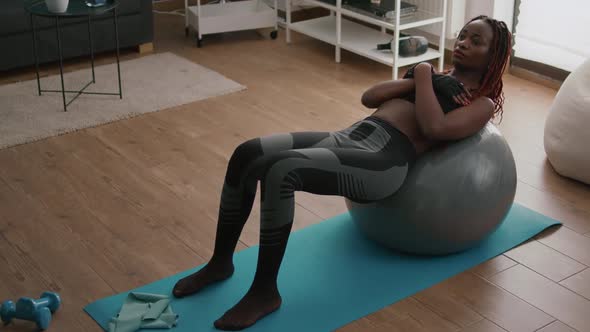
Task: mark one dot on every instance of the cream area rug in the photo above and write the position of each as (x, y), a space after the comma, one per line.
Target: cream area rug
(150, 84)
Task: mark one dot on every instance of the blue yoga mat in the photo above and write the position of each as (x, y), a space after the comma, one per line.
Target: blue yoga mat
(331, 276)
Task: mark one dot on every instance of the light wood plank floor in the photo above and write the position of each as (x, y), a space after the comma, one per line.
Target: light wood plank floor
(102, 210)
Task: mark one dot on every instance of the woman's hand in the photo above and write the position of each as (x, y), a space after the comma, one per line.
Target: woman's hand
(451, 88)
(443, 83)
(463, 97)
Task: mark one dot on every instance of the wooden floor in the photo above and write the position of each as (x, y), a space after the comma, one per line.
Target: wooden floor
(103, 210)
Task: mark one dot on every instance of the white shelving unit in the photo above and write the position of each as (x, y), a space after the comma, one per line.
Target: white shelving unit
(360, 39)
(230, 16)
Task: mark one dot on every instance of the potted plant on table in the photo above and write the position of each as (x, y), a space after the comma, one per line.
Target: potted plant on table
(57, 6)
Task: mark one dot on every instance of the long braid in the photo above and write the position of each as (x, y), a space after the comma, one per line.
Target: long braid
(501, 47)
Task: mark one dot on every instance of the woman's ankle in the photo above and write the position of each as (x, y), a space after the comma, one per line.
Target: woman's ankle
(216, 263)
(267, 288)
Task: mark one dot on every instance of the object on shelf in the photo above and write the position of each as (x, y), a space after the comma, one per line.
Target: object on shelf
(57, 6)
(343, 30)
(95, 3)
(379, 9)
(387, 46)
(408, 46)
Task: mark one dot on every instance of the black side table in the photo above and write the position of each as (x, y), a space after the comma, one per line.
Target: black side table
(76, 8)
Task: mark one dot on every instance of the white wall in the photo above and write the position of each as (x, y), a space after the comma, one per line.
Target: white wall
(499, 9)
(474, 8)
(502, 10)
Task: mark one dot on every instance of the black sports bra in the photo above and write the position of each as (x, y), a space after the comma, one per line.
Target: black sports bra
(445, 87)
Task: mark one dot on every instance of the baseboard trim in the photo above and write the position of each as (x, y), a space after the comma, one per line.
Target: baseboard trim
(535, 77)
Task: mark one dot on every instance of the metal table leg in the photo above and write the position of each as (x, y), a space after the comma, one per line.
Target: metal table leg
(117, 41)
(63, 91)
(91, 47)
(61, 65)
(35, 55)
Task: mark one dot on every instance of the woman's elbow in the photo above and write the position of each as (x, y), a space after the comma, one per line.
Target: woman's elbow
(369, 105)
(368, 101)
(433, 132)
(365, 100)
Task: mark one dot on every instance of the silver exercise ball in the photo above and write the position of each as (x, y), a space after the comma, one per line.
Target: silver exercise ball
(453, 197)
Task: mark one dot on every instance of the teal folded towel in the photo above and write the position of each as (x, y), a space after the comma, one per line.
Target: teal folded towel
(144, 311)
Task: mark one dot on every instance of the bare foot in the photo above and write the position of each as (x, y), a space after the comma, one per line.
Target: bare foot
(200, 279)
(251, 308)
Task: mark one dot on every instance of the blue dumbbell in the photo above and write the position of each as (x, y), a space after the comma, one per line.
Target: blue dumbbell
(38, 311)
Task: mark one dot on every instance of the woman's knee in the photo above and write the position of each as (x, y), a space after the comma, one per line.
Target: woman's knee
(280, 172)
(242, 157)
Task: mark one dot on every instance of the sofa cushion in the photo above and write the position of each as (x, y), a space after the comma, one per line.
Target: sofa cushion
(129, 6)
(15, 19)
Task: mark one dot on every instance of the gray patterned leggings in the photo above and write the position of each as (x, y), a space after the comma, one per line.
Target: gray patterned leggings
(365, 162)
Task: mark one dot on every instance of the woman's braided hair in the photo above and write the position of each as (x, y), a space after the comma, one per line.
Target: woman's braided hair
(501, 47)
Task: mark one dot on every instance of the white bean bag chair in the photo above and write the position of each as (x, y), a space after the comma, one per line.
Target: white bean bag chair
(567, 129)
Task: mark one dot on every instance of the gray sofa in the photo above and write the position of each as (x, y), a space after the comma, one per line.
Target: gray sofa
(16, 48)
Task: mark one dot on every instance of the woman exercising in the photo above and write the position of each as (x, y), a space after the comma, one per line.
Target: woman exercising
(365, 162)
